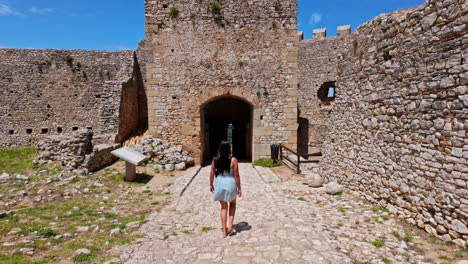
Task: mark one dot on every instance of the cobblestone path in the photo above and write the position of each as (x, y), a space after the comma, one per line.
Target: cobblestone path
(273, 228)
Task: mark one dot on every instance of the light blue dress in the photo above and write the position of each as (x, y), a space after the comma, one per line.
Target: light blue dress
(225, 187)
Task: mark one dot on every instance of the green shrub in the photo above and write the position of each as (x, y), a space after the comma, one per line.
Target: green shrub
(174, 12)
(378, 243)
(269, 163)
(215, 8)
(45, 232)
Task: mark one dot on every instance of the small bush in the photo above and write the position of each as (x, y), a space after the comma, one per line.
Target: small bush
(302, 199)
(69, 60)
(45, 233)
(174, 12)
(215, 8)
(341, 210)
(378, 243)
(269, 163)
(385, 260)
(146, 191)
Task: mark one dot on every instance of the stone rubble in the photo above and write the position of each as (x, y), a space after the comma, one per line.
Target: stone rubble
(173, 157)
(75, 151)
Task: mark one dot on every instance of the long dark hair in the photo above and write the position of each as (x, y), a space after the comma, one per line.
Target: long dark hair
(222, 160)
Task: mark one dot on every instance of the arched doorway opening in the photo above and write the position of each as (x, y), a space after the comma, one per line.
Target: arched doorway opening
(226, 118)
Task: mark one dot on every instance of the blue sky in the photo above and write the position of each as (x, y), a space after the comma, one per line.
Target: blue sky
(119, 24)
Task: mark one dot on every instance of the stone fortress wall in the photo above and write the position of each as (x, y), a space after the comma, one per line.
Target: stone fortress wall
(318, 70)
(397, 129)
(50, 92)
(245, 50)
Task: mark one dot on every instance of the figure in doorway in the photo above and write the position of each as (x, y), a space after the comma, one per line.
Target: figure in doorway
(227, 186)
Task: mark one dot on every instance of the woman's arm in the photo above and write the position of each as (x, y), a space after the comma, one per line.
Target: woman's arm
(212, 175)
(235, 166)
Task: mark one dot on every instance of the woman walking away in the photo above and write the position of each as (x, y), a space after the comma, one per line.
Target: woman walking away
(227, 185)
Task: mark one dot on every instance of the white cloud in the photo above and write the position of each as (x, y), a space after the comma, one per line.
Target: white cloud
(8, 11)
(41, 11)
(315, 18)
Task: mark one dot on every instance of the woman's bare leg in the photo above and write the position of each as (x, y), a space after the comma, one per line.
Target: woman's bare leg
(232, 213)
(224, 209)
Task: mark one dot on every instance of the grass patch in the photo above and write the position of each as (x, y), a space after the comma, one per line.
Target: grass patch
(207, 228)
(186, 232)
(378, 243)
(408, 238)
(385, 260)
(302, 199)
(146, 191)
(83, 257)
(341, 210)
(17, 160)
(380, 208)
(269, 163)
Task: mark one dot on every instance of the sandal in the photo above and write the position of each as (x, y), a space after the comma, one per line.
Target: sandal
(231, 232)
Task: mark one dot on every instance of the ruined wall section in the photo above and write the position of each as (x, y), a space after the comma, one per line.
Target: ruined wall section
(318, 63)
(398, 127)
(47, 92)
(245, 49)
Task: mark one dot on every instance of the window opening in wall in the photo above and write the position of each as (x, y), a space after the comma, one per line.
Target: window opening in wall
(59, 129)
(326, 93)
(82, 106)
(29, 130)
(89, 128)
(11, 132)
(48, 106)
(44, 130)
(261, 117)
(174, 97)
(9, 114)
(74, 128)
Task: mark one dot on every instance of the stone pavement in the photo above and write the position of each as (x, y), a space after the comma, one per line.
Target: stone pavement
(273, 228)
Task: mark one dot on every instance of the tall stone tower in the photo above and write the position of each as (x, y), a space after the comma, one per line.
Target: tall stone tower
(223, 64)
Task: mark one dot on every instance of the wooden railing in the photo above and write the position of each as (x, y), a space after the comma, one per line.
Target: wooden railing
(299, 161)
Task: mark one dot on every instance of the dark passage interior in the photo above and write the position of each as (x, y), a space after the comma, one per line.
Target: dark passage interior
(221, 116)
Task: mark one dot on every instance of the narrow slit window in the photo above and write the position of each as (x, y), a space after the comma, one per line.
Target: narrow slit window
(11, 132)
(59, 129)
(29, 130)
(44, 130)
(74, 128)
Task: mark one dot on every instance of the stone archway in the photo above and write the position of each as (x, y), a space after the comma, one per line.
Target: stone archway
(216, 115)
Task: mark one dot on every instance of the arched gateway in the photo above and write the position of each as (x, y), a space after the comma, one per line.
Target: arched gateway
(226, 118)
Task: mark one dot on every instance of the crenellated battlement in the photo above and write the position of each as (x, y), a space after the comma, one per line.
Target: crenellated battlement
(342, 31)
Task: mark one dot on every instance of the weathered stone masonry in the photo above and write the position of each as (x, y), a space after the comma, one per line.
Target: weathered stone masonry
(318, 66)
(246, 50)
(46, 92)
(397, 131)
